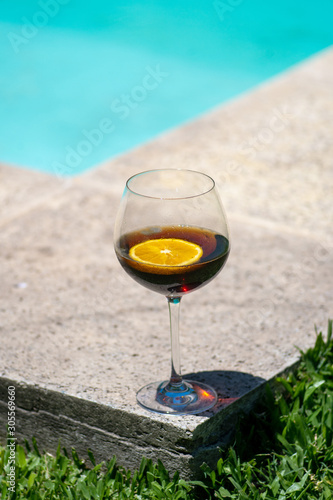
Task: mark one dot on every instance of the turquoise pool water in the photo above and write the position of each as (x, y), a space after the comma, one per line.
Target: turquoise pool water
(83, 82)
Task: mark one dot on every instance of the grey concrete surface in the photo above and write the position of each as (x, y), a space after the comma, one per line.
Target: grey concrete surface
(79, 337)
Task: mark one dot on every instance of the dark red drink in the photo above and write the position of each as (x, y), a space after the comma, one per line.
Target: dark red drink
(175, 281)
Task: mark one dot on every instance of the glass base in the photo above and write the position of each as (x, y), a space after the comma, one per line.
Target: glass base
(186, 398)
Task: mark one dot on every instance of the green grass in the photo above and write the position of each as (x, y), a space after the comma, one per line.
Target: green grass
(283, 450)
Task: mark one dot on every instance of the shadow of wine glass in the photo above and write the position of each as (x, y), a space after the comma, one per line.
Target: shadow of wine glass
(230, 386)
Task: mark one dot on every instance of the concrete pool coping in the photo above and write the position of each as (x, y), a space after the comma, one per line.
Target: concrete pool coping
(79, 337)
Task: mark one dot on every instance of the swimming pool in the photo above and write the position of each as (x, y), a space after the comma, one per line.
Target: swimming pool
(81, 83)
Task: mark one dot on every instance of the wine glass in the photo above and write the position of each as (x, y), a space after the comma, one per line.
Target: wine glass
(171, 236)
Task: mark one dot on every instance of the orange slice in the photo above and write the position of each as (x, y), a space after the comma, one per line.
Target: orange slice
(166, 252)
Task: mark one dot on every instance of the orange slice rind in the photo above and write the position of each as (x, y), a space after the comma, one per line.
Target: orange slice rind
(166, 252)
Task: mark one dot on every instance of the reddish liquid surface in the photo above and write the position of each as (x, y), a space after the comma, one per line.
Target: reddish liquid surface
(175, 281)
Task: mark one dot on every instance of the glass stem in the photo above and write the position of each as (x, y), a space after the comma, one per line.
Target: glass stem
(174, 305)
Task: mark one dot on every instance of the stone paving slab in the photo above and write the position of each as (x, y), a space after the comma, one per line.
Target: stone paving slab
(79, 337)
(22, 189)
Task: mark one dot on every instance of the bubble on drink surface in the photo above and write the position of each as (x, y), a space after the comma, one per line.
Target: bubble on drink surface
(151, 230)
